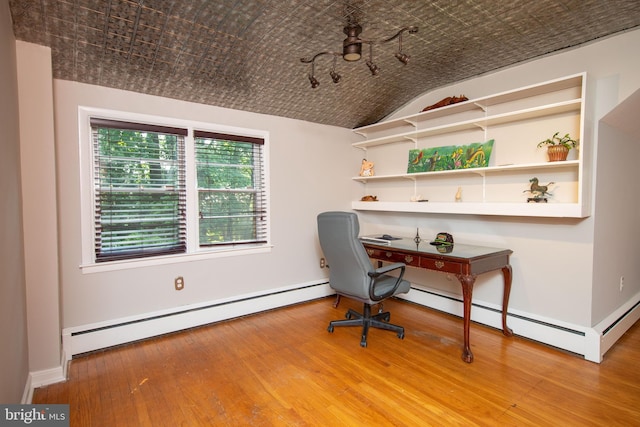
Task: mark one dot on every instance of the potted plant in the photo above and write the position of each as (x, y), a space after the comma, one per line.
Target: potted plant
(558, 146)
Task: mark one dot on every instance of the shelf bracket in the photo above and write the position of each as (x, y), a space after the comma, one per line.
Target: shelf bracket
(413, 139)
(480, 106)
(484, 128)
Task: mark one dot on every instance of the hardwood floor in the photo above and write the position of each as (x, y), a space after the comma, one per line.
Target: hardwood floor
(282, 368)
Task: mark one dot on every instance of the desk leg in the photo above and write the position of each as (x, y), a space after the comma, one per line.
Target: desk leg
(506, 273)
(467, 282)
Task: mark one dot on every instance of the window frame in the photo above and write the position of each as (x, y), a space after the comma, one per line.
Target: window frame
(193, 251)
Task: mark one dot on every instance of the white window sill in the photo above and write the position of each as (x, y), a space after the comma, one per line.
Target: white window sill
(173, 259)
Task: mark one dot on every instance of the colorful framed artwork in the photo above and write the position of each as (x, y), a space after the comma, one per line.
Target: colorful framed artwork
(450, 157)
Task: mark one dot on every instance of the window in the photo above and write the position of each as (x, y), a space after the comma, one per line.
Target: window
(166, 190)
(139, 190)
(231, 198)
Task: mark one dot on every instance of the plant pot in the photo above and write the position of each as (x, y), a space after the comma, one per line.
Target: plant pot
(557, 153)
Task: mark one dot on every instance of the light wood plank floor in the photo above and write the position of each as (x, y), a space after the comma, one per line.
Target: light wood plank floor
(282, 368)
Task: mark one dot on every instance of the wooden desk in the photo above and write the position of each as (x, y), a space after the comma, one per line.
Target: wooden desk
(466, 262)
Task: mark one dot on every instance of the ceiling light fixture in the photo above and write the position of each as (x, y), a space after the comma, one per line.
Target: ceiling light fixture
(352, 51)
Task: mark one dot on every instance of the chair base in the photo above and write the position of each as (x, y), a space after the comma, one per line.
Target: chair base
(366, 320)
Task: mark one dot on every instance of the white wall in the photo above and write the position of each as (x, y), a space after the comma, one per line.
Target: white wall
(309, 166)
(553, 259)
(37, 158)
(617, 237)
(14, 357)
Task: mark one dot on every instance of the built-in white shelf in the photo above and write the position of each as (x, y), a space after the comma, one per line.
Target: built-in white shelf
(473, 171)
(480, 103)
(479, 123)
(566, 210)
(558, 102)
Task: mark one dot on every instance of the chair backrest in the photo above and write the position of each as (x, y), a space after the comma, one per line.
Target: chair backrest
(347, 258)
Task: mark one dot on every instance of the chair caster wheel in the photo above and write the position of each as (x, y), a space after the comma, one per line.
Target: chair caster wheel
(387, 318)
(330, 328)
(401, 335)
(363, 343)
(348, 315)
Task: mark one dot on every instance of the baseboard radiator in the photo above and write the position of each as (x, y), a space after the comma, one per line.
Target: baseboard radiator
(592, 343)
(611, 329)
(87, 338)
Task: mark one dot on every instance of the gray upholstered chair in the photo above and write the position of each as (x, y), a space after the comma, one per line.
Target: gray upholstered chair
(351, 273)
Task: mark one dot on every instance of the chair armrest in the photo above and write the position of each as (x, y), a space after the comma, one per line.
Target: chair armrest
(387, 268)
(379, 272)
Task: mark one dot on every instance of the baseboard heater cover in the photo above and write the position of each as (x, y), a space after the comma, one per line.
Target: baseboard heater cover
(79, 340)
(609, 330)
(557, 334)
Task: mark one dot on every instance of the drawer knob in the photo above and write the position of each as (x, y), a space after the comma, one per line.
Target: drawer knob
(370, 252)
(388, 254)
(439, 264)
(408, 258)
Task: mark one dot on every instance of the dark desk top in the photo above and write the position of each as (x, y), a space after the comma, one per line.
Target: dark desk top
(459, 250)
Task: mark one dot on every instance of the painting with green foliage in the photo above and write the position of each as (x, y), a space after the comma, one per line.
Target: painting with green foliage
(451, 157)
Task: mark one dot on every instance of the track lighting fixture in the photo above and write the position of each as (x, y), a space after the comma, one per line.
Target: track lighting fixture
(312, 78)
(402, 57)
(372, 67)
(352, 52)
(334, 76)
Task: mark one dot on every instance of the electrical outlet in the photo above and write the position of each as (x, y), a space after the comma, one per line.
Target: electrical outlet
(179, 283)
(323, 263)
(621, 283)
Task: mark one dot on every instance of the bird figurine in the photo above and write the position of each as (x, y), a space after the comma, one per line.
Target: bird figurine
(538, 191)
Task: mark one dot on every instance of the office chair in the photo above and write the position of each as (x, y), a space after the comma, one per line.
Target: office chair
(352, 275)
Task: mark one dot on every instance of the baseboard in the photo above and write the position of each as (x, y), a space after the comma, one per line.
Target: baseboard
(41, 378)
(608, 331)
(548, 331)
(86, 338)
(592, 343)
(27, 393)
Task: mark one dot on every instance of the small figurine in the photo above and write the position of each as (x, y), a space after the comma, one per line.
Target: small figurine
(446, 101)
(366, 169)
(369, 198)
(538, 191)
(459, 194)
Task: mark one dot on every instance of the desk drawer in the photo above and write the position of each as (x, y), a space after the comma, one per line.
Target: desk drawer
(441, 265)
(389, 256)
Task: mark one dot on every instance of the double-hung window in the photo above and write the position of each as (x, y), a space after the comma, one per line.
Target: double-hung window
(166, 190)
(232, 206)
(139, 190)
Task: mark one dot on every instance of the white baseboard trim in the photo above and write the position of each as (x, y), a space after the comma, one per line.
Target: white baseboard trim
(41, 378)
(86, 338)
(27, 393)
(592, 343)
(608, 331)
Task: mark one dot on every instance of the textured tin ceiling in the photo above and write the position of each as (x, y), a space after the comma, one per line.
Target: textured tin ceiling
(245, 54)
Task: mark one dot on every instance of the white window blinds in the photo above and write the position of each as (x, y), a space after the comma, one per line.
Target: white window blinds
(139, 189)
(231, 189)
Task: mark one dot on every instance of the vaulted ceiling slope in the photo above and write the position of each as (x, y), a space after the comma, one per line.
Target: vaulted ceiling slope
(245, 54)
